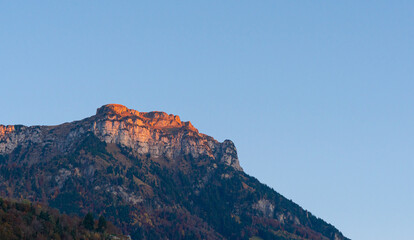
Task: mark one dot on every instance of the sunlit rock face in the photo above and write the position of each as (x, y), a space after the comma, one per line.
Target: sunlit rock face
(13, 136)
(159, 135)
(151, 134)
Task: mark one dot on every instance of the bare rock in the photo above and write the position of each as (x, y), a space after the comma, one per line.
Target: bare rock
(154, 134)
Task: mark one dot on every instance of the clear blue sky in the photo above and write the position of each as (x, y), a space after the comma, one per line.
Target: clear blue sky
(317, 96)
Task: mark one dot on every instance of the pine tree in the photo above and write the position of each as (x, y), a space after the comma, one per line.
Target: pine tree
(88, 221)
(101, 224)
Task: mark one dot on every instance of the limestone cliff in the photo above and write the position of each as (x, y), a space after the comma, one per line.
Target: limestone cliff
(153, 134)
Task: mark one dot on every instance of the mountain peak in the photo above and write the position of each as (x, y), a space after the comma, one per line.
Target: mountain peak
(154, 119)
(116, 109)
(151, 134)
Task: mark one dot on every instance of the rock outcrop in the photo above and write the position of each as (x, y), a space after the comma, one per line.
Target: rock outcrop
(153, 134)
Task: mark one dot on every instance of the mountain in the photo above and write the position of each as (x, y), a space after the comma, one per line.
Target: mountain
(152, 175)
(26, 221)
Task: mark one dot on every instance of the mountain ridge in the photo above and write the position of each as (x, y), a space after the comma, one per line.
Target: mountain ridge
(146, 133)
(152, 175)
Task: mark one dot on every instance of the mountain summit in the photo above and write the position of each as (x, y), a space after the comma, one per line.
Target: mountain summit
(150, 173)
(153, 134)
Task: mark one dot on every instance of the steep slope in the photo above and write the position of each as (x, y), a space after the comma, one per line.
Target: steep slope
(152, 175)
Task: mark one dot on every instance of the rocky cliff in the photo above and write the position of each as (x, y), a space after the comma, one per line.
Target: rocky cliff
(154, 134)
(151, 174)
